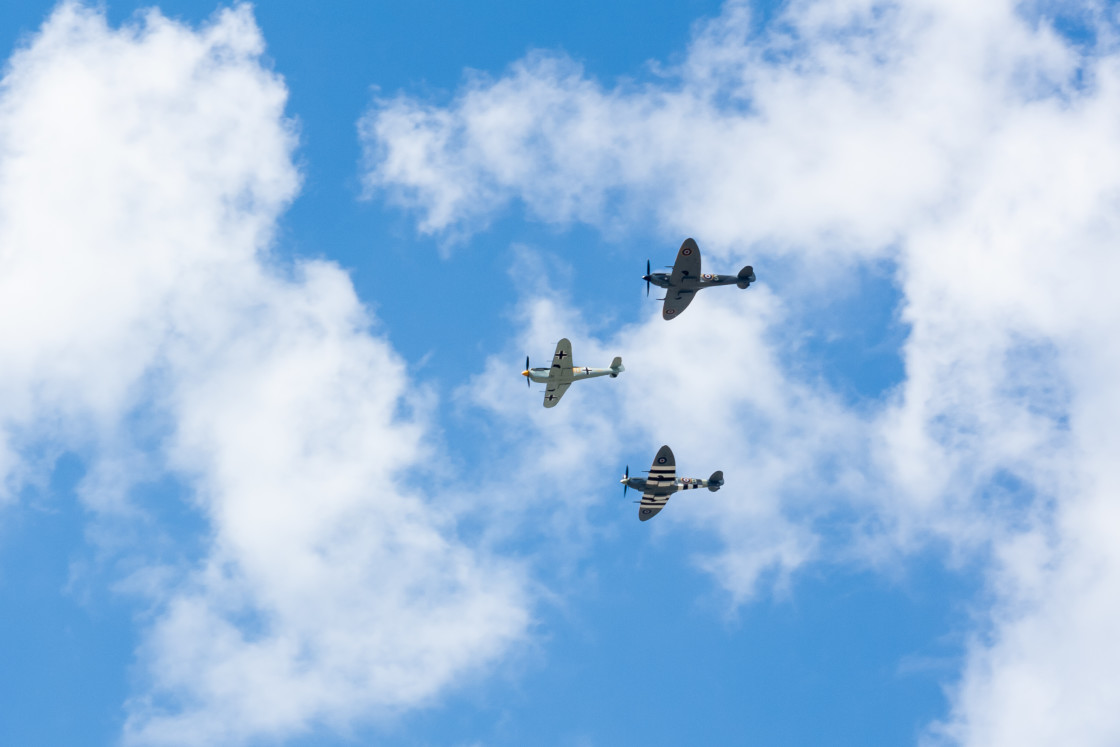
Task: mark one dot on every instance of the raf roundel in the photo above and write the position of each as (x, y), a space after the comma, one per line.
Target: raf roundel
(687, 251)
(662, 460)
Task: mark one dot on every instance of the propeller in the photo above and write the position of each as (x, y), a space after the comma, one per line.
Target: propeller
(626, 481)
(528, 383)
(646, 278)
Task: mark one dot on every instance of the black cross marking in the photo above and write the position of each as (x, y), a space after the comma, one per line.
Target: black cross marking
(561, 355)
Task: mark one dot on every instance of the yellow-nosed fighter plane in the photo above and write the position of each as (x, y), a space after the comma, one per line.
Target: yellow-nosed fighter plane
(560, 375)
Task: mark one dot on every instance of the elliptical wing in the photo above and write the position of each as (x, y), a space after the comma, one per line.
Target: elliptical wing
(660, 484)
(651, 506)
(684, 280)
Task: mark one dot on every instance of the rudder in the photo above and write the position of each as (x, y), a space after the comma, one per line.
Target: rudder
(746, 277)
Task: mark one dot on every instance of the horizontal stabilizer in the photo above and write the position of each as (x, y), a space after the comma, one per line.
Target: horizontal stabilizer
(715, 482)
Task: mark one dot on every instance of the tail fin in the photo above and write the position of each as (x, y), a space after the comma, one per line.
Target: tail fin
(616, 366)
(715, 482)
(746, 277)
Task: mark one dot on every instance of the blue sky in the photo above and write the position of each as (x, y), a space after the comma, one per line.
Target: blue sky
(270, 475)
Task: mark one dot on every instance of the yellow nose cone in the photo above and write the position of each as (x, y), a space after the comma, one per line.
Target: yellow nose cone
(525, 373)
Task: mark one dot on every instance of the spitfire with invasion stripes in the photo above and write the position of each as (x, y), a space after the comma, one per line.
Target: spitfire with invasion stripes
(663, 482)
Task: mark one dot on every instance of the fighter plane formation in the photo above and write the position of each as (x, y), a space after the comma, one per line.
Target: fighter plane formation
(681, 285)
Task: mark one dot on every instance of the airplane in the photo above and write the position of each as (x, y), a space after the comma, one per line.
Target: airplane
(686, 279)
(662, 483)
(562, 373)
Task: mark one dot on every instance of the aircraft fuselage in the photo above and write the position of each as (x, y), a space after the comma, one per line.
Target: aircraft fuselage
(662, 280)
(681, 483)
(540, 375)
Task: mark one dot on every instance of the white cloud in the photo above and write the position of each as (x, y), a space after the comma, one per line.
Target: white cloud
(572, 149)
(970, 145)
(143, 325)
(720, 402)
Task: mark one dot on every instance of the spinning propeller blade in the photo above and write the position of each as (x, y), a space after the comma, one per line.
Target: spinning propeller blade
(626, 481)
(528, 383)
(647, 278)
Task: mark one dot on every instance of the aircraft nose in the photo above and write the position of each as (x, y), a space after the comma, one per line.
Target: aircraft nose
(525, 373)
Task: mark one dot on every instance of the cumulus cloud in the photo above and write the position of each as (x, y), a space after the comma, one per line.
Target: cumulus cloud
(572, 149)
(144, 326)
(972, 147)
(736, 416)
